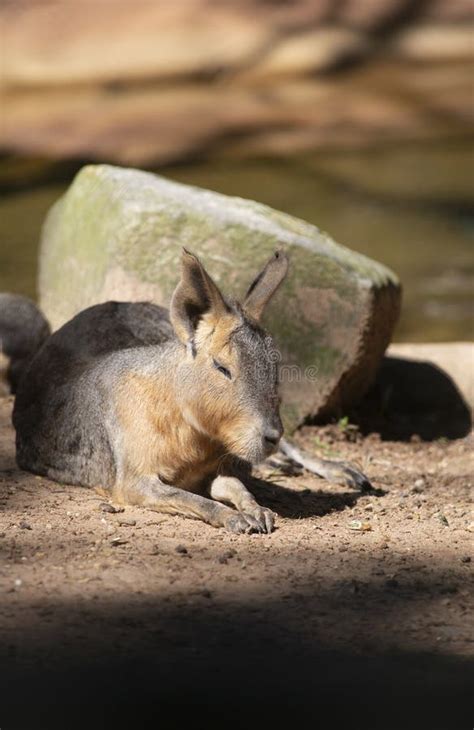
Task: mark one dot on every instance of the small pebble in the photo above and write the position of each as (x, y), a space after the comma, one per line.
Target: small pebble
(465, 559)
(106, 507)
(25, 526)
(359, 526)
(181, 550)
(419, 486)
(227, 555)
(127, 522)
(118, 541)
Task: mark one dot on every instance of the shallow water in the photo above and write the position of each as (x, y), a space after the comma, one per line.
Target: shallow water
(408, 206)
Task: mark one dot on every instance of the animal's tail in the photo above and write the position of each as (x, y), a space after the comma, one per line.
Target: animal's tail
(23, 329)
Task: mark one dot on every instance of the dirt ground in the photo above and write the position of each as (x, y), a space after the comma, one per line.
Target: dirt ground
(108, 614)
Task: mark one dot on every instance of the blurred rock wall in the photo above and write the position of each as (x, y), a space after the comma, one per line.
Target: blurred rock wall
(145, 82)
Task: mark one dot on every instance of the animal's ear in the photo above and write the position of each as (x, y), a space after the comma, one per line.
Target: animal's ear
(265, 284)
(195, 295)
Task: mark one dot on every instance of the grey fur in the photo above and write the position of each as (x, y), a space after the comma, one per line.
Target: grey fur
(23, 329)
(62, 414)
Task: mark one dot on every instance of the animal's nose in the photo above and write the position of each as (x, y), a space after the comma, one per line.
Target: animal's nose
(272, 436)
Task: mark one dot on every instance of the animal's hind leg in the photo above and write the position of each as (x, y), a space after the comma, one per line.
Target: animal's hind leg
(231, 490)
(152, 493)
(339, 472)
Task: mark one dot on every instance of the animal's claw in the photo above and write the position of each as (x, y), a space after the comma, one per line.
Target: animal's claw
(238, 524)
(261, 519)
(354, 478)
(269, 521)
(265, 519)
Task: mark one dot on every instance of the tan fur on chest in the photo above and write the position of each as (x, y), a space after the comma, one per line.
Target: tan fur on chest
(157, 440)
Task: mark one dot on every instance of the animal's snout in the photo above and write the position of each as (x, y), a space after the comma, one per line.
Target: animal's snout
(272, 437)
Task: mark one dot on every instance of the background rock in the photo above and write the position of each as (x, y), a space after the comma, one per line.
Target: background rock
(117, 234)
(60, 42)
(147, 83)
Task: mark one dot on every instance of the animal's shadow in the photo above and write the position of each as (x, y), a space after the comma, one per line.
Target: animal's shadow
(413, 397)
(299, 503)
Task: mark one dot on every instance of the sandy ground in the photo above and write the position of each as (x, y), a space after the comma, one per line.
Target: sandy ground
(109, 614)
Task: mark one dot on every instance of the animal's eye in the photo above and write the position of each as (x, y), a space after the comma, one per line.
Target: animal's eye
(222, 369)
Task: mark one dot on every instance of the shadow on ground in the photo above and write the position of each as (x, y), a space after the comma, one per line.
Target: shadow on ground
(302, 503)
(413, 398)
(158, 664)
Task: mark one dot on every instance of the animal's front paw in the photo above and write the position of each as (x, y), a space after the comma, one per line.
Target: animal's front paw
(252, 519)
(341, 472)
(261, 519)
(238, 524)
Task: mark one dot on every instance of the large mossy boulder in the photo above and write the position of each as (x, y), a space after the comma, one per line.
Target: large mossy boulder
(118, 233)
